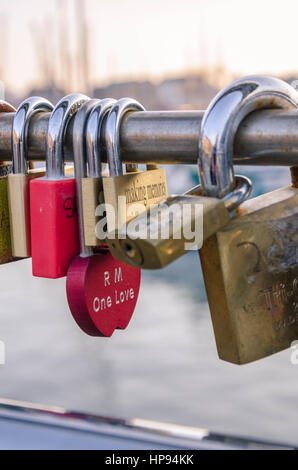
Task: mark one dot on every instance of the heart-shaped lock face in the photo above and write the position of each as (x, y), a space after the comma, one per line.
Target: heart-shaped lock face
(102, 293)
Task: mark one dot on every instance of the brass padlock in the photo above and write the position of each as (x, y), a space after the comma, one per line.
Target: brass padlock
(178, 224)
(18, 181)
(92, 188)
(5, 242)
(250, 266)
(134, 189)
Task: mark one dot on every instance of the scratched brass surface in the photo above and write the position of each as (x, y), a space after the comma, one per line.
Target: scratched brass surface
(251, 275)
(156, 251)
(143, 188)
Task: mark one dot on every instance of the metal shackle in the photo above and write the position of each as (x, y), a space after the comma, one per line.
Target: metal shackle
(28, 108)
(93, 137)
(79, 156)
(112, 132)
(64, 110)
(241, 191)
(222, 119)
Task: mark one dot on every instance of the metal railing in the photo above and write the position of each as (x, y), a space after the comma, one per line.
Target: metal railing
(268, 137)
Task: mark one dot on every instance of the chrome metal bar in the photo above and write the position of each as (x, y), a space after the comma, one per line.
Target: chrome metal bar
(268, 137)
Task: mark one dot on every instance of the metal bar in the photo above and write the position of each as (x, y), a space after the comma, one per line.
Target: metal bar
(268, 137)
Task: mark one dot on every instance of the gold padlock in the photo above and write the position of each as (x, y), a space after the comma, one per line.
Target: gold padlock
(178, 224)
(250, 266)
(250, 269)
(92, 187)
(5, 169)
(133, 192)
(18, 181)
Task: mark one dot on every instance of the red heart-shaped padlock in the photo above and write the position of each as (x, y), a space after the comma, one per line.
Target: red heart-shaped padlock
(102, 293)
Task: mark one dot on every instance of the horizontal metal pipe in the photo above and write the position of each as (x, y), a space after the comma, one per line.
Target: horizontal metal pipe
(268, 137)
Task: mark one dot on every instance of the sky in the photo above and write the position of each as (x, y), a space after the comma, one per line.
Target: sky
(151, 38)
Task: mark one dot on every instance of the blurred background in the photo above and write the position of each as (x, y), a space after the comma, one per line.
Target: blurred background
(168, 55)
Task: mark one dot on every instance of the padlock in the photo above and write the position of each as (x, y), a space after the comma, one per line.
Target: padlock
(180, 223)
(134, 189)
(152, 250)
(101, 291)
(18, 180)
(5, 241)
(92, 189)
(54, 225)
(250, 266)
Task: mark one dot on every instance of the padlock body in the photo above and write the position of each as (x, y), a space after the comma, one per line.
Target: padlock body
(92, 196)
(19, 211)
(251, 275)
(54, 226)
(102, 293)
(169, 237)
(140, 188)
(5, 237)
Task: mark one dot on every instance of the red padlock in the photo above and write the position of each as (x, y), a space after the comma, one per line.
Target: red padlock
(102, 292)
(54, 225)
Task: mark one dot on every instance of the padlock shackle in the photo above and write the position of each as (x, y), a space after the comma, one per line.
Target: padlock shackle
(28, 108)
(79, 155)
(64, 110)
(112, 132)
(222, 119)
(241, 192)
(93, 141)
